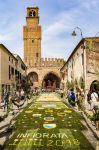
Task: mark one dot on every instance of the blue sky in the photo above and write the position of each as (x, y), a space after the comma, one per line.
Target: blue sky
(58, 18)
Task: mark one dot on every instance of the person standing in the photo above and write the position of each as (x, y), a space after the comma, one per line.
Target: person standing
(89, 99)
(94, 100)
(72, 97)
(22, 94)
(6, 100)
(79, 99)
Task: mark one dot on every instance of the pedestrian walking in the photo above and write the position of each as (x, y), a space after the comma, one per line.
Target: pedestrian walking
(6, 100)
(18, 96)
(79, 99)
(89, 99)
(22, 94)
(94, 100)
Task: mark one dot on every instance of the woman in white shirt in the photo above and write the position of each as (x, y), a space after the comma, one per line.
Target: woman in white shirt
(94, 100)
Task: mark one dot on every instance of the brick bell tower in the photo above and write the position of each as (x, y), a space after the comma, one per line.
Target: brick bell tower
(32, 38)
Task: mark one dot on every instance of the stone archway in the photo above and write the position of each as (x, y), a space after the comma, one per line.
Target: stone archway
(51, 81)
(95, 86)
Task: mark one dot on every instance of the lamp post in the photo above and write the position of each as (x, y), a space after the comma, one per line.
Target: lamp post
(74, 32)
(83, 47)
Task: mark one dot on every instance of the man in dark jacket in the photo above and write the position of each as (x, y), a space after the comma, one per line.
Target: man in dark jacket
(6, 100)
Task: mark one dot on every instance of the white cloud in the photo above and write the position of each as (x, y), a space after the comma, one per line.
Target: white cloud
(56, 34)
(57, 40)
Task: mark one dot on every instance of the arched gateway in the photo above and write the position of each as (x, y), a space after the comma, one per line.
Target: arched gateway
(51, 81)
(44, 77)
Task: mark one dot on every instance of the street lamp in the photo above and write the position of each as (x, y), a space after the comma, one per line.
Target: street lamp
(74, 32)
(83, 47)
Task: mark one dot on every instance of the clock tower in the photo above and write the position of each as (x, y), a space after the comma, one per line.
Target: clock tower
(32, 38)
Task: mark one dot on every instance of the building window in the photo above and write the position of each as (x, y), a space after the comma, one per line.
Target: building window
(15, 72)
(18, 74)
(32, 41)
(82, 59)
(37, 55)
(9, 58)
(3, 87)
(12, 71)
(9, 73)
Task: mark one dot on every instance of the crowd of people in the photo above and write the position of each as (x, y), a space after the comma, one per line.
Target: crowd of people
(78, 98)
(16, 97)
(13, 98)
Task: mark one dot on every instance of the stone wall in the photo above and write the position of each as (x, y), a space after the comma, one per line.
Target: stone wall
(47, 62)
(42, 72)
(92, 61)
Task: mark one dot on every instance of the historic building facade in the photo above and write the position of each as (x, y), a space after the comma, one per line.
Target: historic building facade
(82, 67)
(12, 70)
(42, 72)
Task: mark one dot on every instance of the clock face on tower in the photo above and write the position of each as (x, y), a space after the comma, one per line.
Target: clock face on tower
(32, 13)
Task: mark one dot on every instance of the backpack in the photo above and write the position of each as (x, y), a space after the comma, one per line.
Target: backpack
(72, 96)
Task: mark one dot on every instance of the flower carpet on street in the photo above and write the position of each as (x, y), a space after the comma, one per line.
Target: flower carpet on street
(48, 125)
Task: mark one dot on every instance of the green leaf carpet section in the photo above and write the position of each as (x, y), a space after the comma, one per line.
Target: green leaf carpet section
(48, 124)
